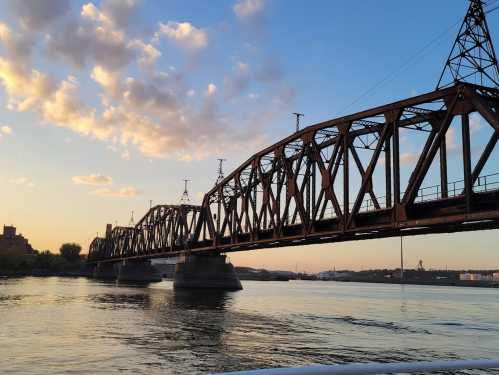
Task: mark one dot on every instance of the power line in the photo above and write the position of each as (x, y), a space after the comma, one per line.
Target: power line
(411, 60)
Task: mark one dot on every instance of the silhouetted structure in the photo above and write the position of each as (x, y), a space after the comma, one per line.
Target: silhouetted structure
(12, 242)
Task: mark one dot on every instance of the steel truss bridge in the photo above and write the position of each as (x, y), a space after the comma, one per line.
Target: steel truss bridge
(339, 180)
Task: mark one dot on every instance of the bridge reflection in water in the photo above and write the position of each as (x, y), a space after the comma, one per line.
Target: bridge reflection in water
(339, 180)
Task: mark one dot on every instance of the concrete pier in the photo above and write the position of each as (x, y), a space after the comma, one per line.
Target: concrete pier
(206, 271)
(105, 271)
(138, 271)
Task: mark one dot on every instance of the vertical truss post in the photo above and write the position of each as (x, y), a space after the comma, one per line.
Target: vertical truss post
(396, 166)
(313, 190)
(468, 188)
(443, 169)
(307, 186)
(388, 173)
(346, 183)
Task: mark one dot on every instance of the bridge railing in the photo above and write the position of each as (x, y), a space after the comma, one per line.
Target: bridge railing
(482, 184)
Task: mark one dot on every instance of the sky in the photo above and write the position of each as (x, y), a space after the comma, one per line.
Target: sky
(108, 105)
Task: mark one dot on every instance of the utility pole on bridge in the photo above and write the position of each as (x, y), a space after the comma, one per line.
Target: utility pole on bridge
(185, 195)
(220, 170)
(298, 115)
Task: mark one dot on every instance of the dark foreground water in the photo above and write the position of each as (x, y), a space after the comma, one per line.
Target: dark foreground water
(63, 325)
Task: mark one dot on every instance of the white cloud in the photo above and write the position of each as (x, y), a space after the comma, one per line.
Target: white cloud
(211, 89)
(23, 181)
(6, 130)
(408, 158)
(450, 139)
(125, 155)
(25, 88)
(93, 179)
(248, 8)
(184, 34)
(65, 110)
(108, 79)
(126, 192)
(475, 124)
(149, 110)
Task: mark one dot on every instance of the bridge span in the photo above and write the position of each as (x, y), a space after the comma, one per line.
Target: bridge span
(300, 190)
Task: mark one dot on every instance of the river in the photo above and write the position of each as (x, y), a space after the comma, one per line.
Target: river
(76, 325)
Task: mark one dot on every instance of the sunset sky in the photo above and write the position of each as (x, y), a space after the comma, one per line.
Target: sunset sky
(107, 105)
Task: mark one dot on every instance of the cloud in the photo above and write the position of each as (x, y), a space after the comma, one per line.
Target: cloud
(81, 44)
(247, 9)
(17, 46)
(184, 34)
(146, 109)
(239, 81)
(450, 139)
(475, 124)
(25, 88)
(93, 179)
(211, 89)
(6, 130)
(23, 181)
(126, 192)
(408, 158)
(65, 110)
(120, 12)
(125, 155)
(36, 14)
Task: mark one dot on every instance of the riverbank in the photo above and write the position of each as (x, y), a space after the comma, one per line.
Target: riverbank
(462, 283)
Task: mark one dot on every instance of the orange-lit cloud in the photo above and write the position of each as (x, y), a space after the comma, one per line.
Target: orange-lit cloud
(93, 179)
(126, 192)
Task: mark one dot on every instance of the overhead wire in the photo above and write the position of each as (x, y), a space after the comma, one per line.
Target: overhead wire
(412, 59)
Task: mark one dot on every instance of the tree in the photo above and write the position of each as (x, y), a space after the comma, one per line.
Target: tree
(70, 252)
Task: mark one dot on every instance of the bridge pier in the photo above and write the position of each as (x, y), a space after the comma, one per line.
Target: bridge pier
(207, 272)
(138, 271)
(105, 271)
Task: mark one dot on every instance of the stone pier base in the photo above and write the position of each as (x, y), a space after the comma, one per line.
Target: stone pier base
(206, 271)
(105, 271)
(138, 271)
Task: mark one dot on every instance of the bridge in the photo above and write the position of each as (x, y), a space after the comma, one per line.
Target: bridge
(347, 178)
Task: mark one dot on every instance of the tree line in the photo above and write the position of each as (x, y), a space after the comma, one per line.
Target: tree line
(68, 259)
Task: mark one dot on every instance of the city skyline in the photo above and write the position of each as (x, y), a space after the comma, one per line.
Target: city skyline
(97, 124)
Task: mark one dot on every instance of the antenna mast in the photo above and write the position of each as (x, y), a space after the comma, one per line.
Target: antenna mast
(472, 58)
(298, 115)
(185, 195)
(220, 171)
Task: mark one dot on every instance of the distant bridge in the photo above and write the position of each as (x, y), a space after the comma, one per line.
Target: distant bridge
(343, 179)
(299, 190)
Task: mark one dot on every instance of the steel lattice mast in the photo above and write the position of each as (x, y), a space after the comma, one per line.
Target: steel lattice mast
(472, 58)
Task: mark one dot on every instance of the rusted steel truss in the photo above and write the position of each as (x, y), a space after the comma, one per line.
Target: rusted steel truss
(315, 186)
(163, 228)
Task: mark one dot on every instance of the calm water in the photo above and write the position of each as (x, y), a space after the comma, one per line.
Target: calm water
(63, 325)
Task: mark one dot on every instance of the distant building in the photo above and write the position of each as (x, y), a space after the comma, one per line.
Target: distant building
(12, 242)
(331, 275)
(467, 276)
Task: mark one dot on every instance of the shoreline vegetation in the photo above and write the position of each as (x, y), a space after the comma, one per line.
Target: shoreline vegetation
(68, 262)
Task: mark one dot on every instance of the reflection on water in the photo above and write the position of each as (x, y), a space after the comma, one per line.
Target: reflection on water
(109, 328)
